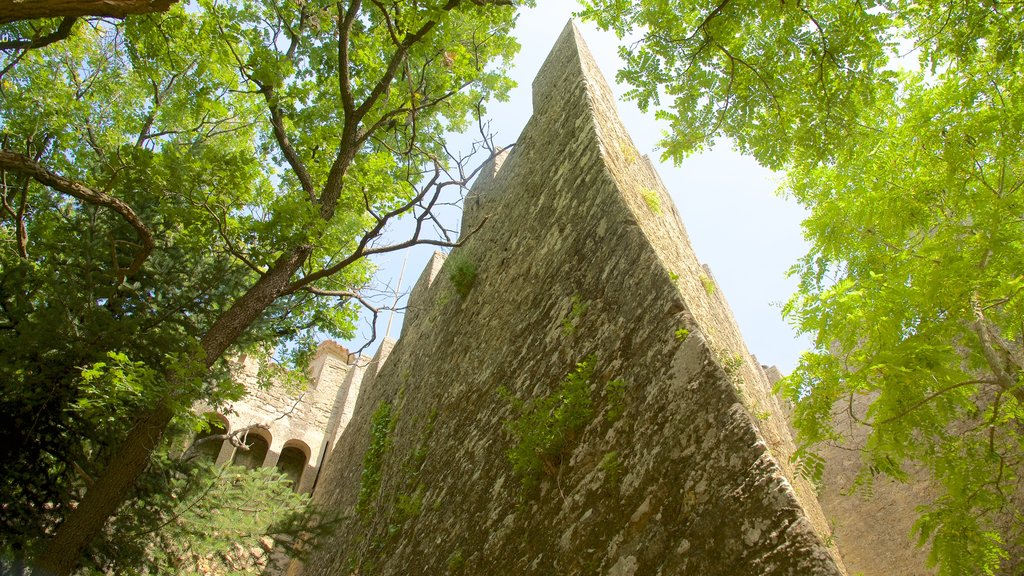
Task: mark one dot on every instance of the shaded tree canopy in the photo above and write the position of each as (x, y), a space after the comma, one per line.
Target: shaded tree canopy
(899, 125)
(176, 186)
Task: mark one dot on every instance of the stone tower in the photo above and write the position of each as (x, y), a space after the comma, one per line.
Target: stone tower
(570, 394)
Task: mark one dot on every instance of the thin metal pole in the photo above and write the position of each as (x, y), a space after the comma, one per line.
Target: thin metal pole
(391, 317)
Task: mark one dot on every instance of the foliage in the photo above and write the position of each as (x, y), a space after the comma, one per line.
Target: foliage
(577, 309)
(912, 288)
(774, 77)
(914, 180)
(178, 186)
(227, 520)
(546, 425)
(652, 200)
(615, 396)
(682, 334)
(382, 424)
(462, 274)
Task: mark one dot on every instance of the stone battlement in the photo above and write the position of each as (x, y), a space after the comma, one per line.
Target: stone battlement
(584, 404)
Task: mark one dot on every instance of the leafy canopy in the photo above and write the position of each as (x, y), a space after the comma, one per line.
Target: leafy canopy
(177, 186)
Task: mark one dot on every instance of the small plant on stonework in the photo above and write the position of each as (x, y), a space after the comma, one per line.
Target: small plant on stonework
(709, 284)
(732, 363)
(409, 506)
(628, 151)
(546, 425)
(762, 415)
(615, 395)
(382, 423)
(652, 200)
(456, 562)
(673, 276)
(682, 334)
(462, 274)
(576, 312)
(611, 466)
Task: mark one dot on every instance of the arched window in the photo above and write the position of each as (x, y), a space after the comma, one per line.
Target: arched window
(209, 449)
(257, 452)
(292, 461)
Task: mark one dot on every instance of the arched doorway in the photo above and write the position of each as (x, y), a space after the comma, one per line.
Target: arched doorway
(292, 461)
(257, 452)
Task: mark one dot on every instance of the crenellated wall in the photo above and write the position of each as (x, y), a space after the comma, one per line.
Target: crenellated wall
(667, 454)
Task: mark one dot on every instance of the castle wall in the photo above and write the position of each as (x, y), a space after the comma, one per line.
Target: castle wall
(673, 463)
(307, 419)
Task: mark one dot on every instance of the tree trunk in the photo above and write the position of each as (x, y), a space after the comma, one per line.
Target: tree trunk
(14, 10)
(86, 521)
(102, 499)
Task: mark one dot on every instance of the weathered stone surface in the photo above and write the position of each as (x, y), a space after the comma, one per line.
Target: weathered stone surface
(306, 419)
(873, 530)
(581, 255)
(874, 527)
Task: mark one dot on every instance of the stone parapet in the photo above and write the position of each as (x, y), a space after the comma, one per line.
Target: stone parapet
(590, 307)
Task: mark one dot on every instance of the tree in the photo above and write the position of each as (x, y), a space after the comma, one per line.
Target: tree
(913, 177)
(14, 11)
(179, 185)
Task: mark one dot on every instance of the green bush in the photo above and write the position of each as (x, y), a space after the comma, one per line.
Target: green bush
(462, 275)
(546, 425)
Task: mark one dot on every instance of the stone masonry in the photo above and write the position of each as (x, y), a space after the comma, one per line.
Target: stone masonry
(307, 421)
(677, 461)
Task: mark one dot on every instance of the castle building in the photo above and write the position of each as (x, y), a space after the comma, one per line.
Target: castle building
(293, 428)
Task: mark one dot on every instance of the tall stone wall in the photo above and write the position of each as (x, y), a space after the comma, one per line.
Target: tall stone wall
(673, 461)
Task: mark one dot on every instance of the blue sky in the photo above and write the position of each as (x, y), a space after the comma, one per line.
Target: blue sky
(738, 225)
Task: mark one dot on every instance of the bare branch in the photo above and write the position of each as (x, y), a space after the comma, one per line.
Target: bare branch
(374, 311)
(421, 199)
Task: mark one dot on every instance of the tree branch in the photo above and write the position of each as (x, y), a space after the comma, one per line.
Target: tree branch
(25, 165)
(924, 401)
(16, 11)
(62, 32)
(290, 154)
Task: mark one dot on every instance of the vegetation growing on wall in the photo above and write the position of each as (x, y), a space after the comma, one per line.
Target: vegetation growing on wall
(611, 466)
(571, 321)
(545, 426)
(382, 424)
(708, 284)
(615, 398)
(462, 274)
(652, 200)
